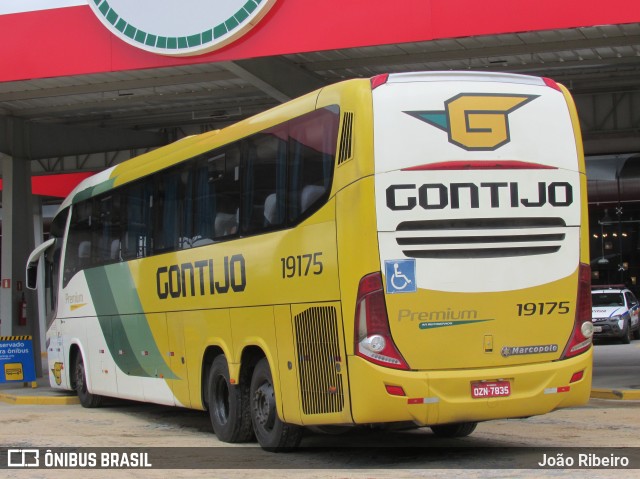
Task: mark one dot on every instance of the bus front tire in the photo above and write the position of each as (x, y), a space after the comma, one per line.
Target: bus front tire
(462, 429)
(228, 405)
(87, 399)
(272, 433)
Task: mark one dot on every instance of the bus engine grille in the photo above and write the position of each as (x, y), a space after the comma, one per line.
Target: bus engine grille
(319, 360)
(480, 237)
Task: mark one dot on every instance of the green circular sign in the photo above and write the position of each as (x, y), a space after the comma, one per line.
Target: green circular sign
(180, 27)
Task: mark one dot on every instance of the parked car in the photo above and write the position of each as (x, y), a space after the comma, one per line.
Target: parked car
(615, 313)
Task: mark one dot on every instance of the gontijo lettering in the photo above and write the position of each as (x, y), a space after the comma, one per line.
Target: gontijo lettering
(437, 196)
(203, 277)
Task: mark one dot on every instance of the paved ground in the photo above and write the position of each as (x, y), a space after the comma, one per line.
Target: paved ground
(189, 442)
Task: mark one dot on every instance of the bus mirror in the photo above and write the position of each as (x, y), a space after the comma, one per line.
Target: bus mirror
(34, 260)
(32, 275)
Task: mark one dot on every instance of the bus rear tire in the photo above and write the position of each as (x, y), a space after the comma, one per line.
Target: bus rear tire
(462, 429)
(87, 399)
(272, 433)
(228, 405)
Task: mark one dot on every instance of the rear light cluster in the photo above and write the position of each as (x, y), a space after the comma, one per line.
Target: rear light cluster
(378, 80)
(373, 340)
(551, 83)
(577, 376)
(582, 336)
(480, 165)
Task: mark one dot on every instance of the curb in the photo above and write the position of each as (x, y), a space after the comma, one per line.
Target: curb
(40, 400)
(54, 400)
(617, 394)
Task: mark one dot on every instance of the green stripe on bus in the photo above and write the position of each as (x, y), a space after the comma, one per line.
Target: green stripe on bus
(128, 335)
(94, 190)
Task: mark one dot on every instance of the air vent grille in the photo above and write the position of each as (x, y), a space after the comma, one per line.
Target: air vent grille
(481, 237)
(346, 138)
(319, 360)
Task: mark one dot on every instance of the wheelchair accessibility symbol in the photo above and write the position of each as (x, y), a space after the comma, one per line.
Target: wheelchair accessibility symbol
(401, 275)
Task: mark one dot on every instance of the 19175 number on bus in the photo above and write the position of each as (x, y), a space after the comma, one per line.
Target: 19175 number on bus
(541, 309)
(302, 265)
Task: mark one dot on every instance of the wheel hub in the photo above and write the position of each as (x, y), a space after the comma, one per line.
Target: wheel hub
(264, 406)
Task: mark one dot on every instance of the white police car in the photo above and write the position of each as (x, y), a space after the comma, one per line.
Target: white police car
(615, 313)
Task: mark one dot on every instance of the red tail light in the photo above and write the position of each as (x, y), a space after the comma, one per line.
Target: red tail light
(378, 80)
(582, 336)
(577, 377)
(481, 165)
(552, 84)
(373, 340)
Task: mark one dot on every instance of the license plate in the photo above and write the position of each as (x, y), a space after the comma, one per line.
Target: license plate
(490, 389)
(597, 329)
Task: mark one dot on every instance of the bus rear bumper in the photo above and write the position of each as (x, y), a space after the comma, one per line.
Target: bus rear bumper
(442, 397)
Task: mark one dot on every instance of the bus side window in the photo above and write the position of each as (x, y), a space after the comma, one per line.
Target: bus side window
(84, 255)
(168, 204)
(172, 210)
(309, 195)
(78, 254)
(312, 140)
(107, 229)
(53, 266)
(263, 194)
(136, 203)
(225, 171)
(200, 201)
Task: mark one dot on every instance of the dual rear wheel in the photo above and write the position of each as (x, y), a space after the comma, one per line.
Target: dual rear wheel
(240, 412)
(228, 405)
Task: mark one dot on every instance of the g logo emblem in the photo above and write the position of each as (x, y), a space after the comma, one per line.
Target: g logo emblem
(476, 121)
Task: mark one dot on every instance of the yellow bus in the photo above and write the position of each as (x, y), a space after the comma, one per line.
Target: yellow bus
(410, 248)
